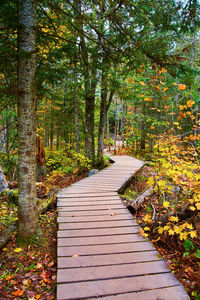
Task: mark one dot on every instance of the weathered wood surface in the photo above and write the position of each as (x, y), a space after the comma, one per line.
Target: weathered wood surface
(100, 253)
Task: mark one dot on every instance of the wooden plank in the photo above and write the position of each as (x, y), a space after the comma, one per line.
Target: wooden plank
(108, 212)
(108, 259)
(74, 203)
(105, 249)
(172, 293)
(97, 232)
(89, 207)
(100, 224)
(80, 199)
(110, 217)
(99, 240)
(83, 195)
(79, 290)
(114, 271)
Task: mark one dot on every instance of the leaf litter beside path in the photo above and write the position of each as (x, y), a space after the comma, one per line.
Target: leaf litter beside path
(30, 272)
(185, 267)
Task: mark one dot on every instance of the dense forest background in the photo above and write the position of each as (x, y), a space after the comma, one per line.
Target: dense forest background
(81, 76)
(75, 76)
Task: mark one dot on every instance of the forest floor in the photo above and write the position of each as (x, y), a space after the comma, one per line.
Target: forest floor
(185, 267)
(30, 272)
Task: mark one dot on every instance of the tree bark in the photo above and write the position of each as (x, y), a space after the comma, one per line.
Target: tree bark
(102, 121)
(76, 110)
(27, 208)
(143, 128)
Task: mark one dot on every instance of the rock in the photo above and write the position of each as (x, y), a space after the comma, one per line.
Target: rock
(3, 181)
(13, 196)
(92, 172)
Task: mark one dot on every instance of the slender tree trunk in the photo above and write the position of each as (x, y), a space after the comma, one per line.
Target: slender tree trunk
(102, 120)
(51, 127)
(143, 128)
(115, 133)
(89, 126)
(7, 136)
(27, 207)
(76, 110)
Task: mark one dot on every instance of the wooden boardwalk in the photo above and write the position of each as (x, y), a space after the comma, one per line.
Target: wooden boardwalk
(100, 253)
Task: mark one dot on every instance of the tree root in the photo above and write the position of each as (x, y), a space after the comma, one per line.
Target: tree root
(43, 206)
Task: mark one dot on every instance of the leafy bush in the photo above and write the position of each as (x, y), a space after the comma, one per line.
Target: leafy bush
(108, 142)
(176, 183)
(9, 165)
(66, 162)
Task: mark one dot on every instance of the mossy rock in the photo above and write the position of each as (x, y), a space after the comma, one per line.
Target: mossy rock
(13, 196)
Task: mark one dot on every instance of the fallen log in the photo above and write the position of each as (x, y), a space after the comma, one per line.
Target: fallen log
(135, 204)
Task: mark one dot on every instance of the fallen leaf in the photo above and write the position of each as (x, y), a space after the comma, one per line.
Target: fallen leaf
(8, 277)
(75, 255)
(39, 266)
(18, 250)
(18, 293)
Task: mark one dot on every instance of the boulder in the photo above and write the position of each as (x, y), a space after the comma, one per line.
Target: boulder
(3, 181)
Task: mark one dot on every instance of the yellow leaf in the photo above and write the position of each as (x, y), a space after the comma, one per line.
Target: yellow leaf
(4, 249)
(166, 227)
(182, 107)
(192, 208)
(147, 218)
(189, 226)
(171, 232)
(142, 83)
(166, 204)
(177, 229)
(160, 230)
(183, 235)
(150, 181)
(182, 87)
(193, 233)
(165, 89)
(173, 219)
(176, 123)
(147, 228)
(18, 250)
(190, 103)
(197, 205)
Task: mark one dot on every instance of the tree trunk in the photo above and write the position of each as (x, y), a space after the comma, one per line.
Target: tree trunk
(76, 111)
(27, 207)
(89, 126)
(143, 128)
(102, 121)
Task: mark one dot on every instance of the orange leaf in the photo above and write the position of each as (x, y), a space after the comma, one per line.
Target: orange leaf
(148, 99)
(165, 89)
(142, 83)
(18, 293)
(8, 277)
(182, 87)
(131, 80)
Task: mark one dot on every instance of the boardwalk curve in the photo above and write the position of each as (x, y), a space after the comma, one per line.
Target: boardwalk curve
(100, 253)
